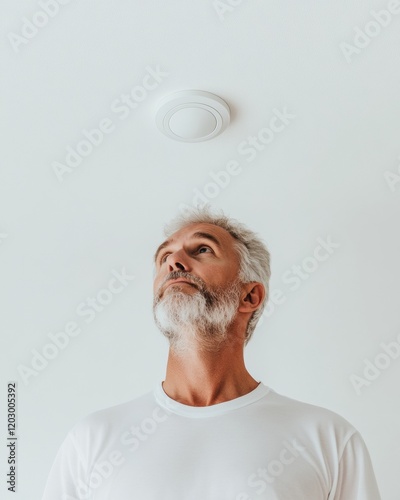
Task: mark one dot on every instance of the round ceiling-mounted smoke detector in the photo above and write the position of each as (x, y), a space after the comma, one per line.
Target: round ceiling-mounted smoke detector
(192, 115)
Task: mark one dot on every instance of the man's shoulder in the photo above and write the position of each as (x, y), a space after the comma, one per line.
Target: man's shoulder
(111, 419)
(309, 416)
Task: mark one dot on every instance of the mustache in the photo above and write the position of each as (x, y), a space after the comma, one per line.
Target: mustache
(199, 283)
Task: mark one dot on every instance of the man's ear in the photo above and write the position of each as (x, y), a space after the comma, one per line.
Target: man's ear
(252, 297)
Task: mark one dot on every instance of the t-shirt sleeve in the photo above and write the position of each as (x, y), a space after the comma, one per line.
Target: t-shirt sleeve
(66, 479)
(356, 479)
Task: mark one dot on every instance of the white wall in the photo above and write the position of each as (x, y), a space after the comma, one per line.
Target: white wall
(333, 173)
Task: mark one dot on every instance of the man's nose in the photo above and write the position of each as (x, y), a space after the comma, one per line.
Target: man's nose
(177, 260)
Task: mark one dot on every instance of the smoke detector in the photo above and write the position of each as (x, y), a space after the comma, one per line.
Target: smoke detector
(192, 115)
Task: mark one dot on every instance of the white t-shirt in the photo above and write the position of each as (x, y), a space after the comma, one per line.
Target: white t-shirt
(260, 446)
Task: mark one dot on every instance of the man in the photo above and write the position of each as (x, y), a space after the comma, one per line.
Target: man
(210, 431)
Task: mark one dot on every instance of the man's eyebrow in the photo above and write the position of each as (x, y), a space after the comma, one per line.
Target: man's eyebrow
(197, 234)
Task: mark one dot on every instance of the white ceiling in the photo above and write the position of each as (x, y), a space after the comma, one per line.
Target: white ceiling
(323, 174)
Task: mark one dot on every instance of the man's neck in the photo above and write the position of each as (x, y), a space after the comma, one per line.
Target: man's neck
(207, 378)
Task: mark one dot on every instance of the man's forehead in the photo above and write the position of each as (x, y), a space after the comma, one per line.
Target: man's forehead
(218, 231)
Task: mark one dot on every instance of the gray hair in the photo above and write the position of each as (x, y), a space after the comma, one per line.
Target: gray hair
(254, 256)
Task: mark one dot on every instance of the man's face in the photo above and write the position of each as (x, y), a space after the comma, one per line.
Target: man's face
(196, 312)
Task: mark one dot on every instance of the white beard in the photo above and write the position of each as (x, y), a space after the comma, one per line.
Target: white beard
(196, 320)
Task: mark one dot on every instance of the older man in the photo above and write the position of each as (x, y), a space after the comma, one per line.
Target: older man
(210, 430)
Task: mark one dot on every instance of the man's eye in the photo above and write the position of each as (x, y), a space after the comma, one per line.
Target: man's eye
(204, 246)
(162, 260)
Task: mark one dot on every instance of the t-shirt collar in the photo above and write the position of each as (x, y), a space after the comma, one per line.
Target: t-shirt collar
(208, 411)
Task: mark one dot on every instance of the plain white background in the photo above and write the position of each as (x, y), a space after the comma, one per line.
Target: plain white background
(329, 173)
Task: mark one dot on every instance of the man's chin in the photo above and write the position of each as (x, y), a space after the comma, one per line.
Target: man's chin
(179, 290)
(190, 334)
